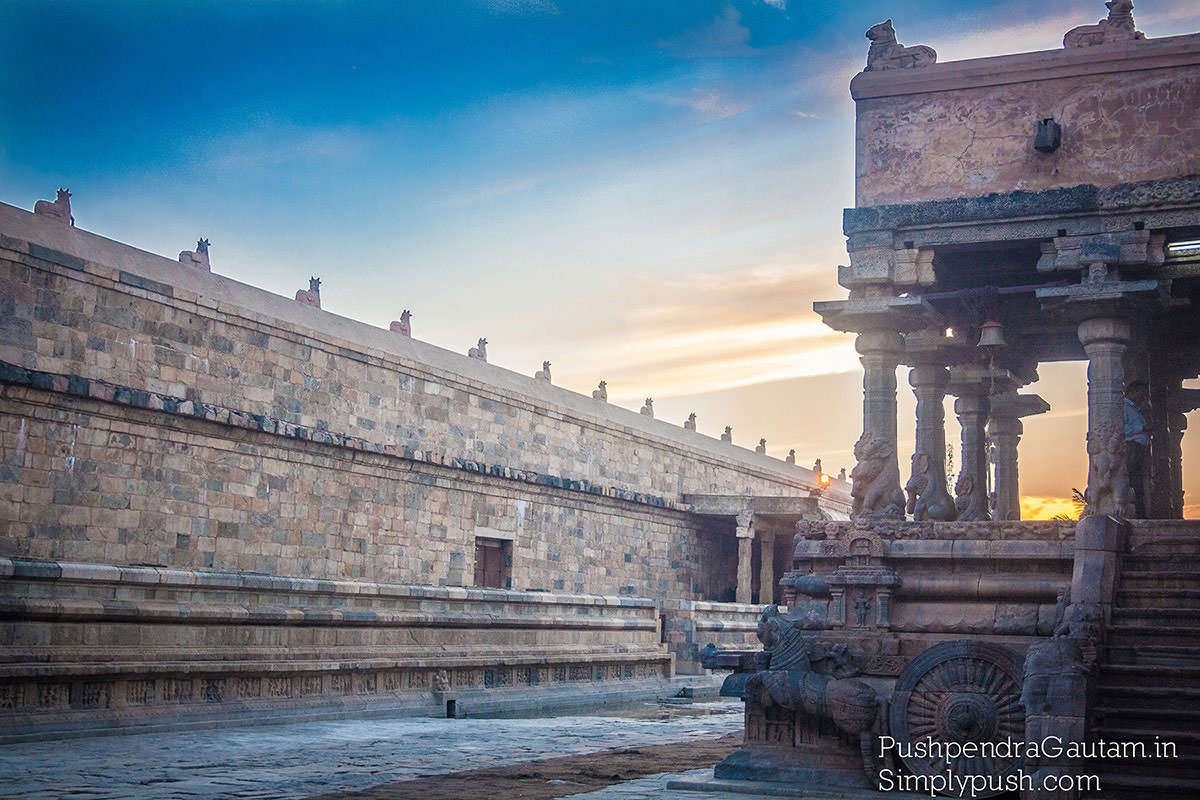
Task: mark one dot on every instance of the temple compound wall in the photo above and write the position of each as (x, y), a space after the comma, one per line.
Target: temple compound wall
(191, 467)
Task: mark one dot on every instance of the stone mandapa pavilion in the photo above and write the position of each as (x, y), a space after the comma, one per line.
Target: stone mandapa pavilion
(1009, 211)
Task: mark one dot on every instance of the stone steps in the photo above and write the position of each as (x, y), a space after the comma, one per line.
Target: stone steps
(1168, 577)
(1146, 722)
(1139, 634)
(1130, 599)
(1165, 655)
(1148, 687)
(1148, 679)
(1167, 538)
(1151, 692)
(1156, 617)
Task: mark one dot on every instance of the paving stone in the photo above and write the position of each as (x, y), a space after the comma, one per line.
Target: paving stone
(296, 761)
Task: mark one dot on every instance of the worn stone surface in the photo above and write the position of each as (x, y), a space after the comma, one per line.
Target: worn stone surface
(961, 138)
(317, 758)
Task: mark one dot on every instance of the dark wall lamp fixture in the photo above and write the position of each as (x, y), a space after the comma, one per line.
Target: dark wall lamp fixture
(1048, 137)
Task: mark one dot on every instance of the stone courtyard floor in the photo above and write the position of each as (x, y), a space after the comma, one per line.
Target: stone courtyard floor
(344, 757)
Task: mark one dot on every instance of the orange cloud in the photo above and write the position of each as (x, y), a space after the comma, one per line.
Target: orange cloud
(1047, 507)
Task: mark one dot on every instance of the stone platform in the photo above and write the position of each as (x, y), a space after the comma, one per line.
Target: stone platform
(91, 648)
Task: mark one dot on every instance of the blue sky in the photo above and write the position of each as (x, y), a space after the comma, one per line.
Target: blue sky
(645, 192)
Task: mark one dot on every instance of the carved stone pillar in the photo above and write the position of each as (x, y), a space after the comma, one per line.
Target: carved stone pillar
(745, 539)
(1004, 434)
(876, 477)
(1105, 340)
(766, 572)
(970, 489)
(928, 497)
(1176, 425)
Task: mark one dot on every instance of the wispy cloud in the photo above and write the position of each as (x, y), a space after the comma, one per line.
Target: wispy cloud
(711, 103)
(273, 146)
(705, 332)
(723, 37)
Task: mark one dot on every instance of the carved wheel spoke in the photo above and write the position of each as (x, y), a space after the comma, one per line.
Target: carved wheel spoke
(963, 691)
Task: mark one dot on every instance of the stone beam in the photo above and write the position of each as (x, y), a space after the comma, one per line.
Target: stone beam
(730, 505)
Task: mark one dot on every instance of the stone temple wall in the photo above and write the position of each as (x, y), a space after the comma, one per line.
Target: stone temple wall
(216, 500)
(158, 414)
(1127, 113)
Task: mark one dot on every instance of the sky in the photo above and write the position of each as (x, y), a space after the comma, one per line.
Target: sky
(648, 193)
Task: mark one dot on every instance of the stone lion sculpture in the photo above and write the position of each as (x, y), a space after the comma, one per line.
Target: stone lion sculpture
(875, 479)
(925, 499)
(1108, 480)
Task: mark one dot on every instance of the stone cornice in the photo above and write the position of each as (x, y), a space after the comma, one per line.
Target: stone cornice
(1170, 52)
(1082, 199)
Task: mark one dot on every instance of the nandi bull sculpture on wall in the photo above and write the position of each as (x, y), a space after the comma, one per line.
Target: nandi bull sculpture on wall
(60, 209)
(887, 53)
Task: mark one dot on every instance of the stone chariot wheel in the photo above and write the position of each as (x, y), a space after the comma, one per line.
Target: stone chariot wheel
(959, 692)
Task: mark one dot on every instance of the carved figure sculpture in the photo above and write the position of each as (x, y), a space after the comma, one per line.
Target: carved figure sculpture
(479, 351)
(969, 502)
(794, 681)
(791, 456)
(543, 374)
(689, 424)
(1054, 688)
(312, 297)
(925, 500)
(402, 326)
(197, 258)
(1119, 27)
(601, 393)
(1108, 481)
(727, 436)
(887, 53)
(648, 408)
(60, 209)
(862, 607)
(761, 448)
(875, 479)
